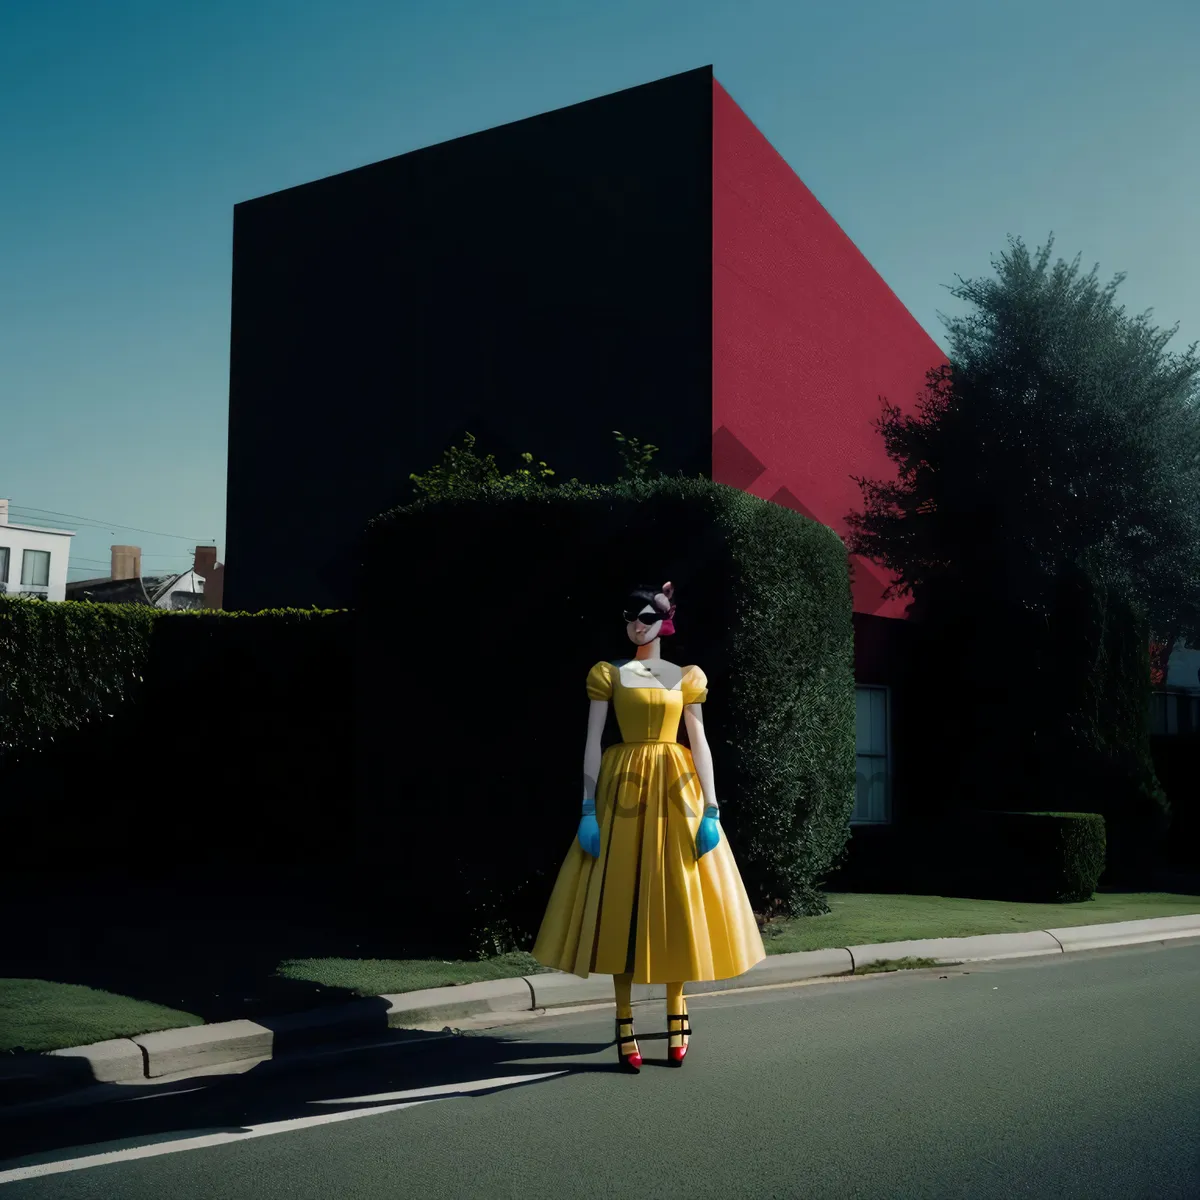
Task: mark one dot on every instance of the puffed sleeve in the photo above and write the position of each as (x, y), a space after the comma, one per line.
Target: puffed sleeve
(599, 682)
(695, 686)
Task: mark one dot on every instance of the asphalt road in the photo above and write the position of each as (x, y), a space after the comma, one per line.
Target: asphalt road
(1066, 1076)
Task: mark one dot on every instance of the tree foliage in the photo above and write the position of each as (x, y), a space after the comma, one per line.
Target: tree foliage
(1061, 432)
(635, 456)
(462, 469)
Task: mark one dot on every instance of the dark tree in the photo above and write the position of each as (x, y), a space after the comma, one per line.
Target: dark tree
(1062, 432)
(1045, 521)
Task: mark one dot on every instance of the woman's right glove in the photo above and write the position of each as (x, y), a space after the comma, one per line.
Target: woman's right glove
(589, 830)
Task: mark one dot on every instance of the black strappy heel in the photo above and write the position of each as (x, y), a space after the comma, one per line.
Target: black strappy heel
(631, 1063)
(676, 1054)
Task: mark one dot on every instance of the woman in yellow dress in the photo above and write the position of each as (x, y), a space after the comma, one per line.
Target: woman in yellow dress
(649, 891)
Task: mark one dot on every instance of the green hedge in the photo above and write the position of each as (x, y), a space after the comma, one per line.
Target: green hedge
(1091, 717)
(64, 666)
(1048, 857)
(1025, 857)
(1042, 713)
(144, 738)
(471, 775)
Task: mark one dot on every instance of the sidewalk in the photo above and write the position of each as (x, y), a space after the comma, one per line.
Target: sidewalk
(152, 1056)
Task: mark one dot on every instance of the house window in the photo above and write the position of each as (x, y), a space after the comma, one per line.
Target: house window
(4, 554)
(35, 568)
(872, 801)
(1174, 713)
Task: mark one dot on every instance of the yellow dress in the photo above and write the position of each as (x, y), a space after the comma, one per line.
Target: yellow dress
(647, 905)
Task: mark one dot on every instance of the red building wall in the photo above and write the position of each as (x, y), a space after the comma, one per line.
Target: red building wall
(806, 338)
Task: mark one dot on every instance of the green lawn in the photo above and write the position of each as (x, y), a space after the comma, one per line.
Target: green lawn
(45, 1015)
(865, 919)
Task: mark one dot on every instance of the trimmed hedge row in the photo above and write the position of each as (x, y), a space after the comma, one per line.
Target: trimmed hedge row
(1039, 857)
(1017, 856)
(145, 740)
(472, 775)
(1042, 713)
(64, 666)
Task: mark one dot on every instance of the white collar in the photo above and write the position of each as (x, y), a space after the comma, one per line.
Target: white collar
(640, 666)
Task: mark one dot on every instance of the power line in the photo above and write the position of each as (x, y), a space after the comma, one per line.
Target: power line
(83, 558)
(102, 524)
(93, 567)
(176, 557)
(94, 564)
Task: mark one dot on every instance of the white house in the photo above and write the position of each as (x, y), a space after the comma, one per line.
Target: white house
(33, 561)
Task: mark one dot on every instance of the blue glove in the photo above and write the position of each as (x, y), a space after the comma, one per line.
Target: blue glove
(589, 830)
(709, 835)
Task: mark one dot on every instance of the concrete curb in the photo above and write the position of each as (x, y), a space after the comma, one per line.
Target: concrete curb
(197, 1047)
(981, 947)
(1126, 933)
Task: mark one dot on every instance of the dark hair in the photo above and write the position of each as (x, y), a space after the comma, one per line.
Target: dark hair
(636, 599)
(640, 596)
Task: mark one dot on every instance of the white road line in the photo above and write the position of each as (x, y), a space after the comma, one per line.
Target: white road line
(442, 1089)
(417, 1096)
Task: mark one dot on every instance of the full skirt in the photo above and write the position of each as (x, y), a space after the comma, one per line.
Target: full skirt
(647, 904)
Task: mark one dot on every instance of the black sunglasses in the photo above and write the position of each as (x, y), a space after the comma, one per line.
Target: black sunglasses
(645, 618)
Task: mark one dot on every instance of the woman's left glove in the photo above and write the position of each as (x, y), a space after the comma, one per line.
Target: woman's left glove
(710, 832)
(589, 830)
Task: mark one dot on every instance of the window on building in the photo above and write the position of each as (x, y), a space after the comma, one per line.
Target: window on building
(35, 568)
(182, 599)
(1174, 713)
(4, 556)
(872, 800)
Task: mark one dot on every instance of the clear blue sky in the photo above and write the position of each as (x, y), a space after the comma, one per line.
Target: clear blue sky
(929, 130)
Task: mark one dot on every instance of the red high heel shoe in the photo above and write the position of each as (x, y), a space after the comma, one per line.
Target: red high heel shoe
(629, 1062)
(676, 1054)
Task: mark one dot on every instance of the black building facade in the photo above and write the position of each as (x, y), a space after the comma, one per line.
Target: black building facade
(540, 285)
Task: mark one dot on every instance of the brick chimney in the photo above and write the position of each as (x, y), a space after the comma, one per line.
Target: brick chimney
(126, 562)
(206, 559)
(214, 587)
(213, 574)
(3, 512)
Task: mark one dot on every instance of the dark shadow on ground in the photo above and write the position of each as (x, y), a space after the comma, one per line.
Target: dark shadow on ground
(208, 945)
(283, 1089)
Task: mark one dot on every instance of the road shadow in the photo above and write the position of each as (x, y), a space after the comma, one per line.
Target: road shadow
(300, 1086)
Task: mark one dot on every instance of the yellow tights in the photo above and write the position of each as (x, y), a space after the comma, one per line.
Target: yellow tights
(623, 987)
